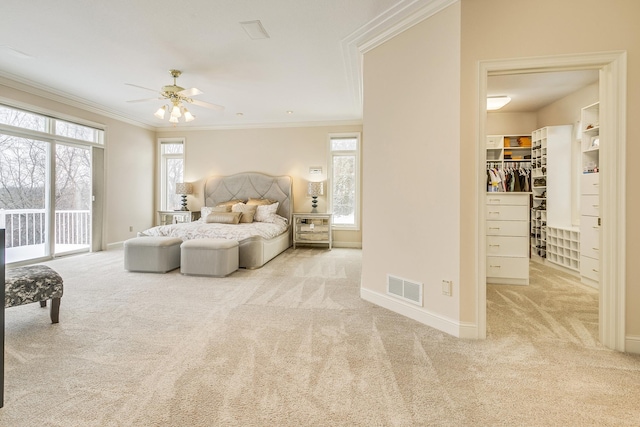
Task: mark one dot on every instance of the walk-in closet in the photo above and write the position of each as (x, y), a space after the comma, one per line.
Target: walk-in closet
(542, 176)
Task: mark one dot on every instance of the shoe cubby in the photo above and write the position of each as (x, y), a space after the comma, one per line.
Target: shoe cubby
(563, 247)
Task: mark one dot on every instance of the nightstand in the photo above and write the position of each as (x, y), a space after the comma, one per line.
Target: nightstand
(312, 228)
(174, 217)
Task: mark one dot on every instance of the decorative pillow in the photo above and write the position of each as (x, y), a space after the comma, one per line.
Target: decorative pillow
(230, 202)
(223, 208)
(265, 213)
(260, 202)
(224, 217)
(248, 211)
(205, 211)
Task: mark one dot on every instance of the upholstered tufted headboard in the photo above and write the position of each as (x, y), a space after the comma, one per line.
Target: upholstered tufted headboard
(247, 185)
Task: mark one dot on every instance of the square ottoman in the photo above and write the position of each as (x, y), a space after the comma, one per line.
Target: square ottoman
(152, 254)
(209, 257)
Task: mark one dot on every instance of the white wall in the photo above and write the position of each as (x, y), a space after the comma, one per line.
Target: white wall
(275, 151)
(411, 167)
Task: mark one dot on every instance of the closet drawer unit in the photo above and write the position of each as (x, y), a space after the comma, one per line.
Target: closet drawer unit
(589, 237)
(507, 246)
(590, 183)
(508, 268)
(590, 205)
(589, 268)
(507, 213)
(511, 199)
(508, 228)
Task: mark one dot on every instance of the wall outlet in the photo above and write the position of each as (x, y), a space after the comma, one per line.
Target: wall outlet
(131, 228)
(446, 287)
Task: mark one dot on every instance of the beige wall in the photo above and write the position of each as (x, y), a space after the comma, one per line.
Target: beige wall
(278, 151)
(411, 165)
(568, 29)
(510, 124)
(129, 165)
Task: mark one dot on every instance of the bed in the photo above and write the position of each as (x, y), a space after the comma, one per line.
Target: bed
(259, 242)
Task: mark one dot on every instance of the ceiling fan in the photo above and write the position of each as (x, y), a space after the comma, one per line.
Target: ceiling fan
(177, 95)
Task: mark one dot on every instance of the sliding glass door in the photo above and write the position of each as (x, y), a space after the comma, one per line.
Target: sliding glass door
(24, 168)
(72, 199)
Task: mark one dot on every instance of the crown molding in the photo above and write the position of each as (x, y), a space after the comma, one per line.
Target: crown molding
(28, 86)
(261, 126)
(382, 28)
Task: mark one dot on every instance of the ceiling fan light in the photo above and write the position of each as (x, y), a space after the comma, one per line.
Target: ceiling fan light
(173, 119)
(160, 113)
(497, 102)
(188, 117)
(175, 112)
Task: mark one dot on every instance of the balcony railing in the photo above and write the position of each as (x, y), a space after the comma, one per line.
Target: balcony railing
(26, 227)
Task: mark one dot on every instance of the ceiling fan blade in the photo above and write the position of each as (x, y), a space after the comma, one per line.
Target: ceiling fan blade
(207, 105)
(141, 87)
(145, 100)
(190, 92)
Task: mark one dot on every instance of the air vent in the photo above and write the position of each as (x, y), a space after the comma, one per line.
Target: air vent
(405, 289)
(255, 30)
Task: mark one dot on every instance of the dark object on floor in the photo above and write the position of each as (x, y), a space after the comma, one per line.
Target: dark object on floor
(34, 283)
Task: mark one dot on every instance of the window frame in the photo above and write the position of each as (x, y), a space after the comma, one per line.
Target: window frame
(162, 167)
(358, 197)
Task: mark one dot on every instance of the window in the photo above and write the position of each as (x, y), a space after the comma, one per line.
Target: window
(171, 172)
(46, 178)
(344, 180)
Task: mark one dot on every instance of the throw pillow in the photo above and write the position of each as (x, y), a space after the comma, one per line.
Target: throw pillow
(265, 213)
(248, 211)
(224, 217)
(260, 202)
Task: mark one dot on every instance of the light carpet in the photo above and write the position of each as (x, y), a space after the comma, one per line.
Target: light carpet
(292, 344)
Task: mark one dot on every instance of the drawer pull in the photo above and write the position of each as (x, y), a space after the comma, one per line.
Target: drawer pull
(494, 200)
(595, 226)
(596, 249)
(494, 228)
(494, 266)
(596, 206)
(594, 270)
(493, 213)
(596, 184)
(494, 246)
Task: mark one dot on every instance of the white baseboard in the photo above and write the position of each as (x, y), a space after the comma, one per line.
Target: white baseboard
(115, 245)
(632, 344)
(449, 326)
(350, 245)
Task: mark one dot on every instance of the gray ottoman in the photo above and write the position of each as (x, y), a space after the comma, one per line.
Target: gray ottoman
(209, 257)
(152, 254)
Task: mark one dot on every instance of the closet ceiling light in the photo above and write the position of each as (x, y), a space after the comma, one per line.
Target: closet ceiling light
(497, 102)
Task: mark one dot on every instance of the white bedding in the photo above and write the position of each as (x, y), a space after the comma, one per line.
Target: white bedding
(200, 229)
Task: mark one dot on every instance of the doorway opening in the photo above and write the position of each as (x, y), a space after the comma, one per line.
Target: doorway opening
(612, 95)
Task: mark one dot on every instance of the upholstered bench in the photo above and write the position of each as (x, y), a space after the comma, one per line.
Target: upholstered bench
(209, 257)
(152, 254)
(33, 283)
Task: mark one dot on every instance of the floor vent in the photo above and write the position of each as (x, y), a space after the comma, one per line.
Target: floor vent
(405, 289)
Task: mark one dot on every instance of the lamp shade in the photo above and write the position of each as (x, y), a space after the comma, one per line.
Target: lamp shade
(315, 189)
(184, 188)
